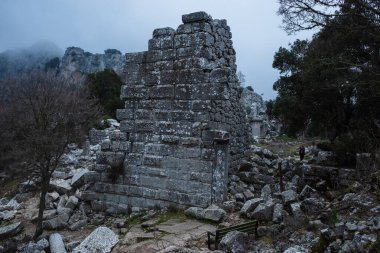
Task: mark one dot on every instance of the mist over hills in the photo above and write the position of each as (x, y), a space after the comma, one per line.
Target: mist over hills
(26, 60)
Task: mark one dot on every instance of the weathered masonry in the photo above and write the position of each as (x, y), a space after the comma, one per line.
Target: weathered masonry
(182, 129)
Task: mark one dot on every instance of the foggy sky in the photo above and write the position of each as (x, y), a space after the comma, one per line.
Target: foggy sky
(127, 25)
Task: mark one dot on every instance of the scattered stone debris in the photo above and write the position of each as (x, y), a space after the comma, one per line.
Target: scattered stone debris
(308, 206)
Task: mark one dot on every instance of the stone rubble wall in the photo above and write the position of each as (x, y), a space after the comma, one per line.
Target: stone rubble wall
(183, 128)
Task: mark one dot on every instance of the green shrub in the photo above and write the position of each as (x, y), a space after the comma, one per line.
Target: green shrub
(325, 145)
(333, 218)
(106, 86)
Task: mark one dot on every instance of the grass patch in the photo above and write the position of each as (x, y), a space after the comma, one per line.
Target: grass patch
(9, 188)
(333, 218)
(267, 239)
(134, 220)
(286, 138)
(172, 215)
(320, 246)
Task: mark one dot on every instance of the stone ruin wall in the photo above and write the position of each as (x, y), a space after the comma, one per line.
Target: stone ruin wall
(183, 128)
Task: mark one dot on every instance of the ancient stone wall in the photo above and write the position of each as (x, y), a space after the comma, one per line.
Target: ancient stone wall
(183, 128)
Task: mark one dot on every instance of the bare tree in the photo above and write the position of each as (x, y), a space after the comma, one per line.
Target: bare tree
(44, 114)
(301, 15)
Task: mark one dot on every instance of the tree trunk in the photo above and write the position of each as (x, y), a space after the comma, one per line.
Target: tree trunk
(44, 189)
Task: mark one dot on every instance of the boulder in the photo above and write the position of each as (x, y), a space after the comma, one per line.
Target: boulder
(314, 206)
(308, 192)
(264, 211)
(296, 209)
(78, 225)
(72, 202)
(248, 195)
(266, 192)
(7, 215)
(78, 178)
(239, 197)
(213, 213)
(245, 166)
(247, 177)
(234, 242)
(195, 212)
(53, 196)
(229, 206)
(277, 212)
(60, 185)
(10, 230)
(60, 175)
(56, 243)
(58, 222)
(101, 240)
(289, 196)
(38, 247)
(326, 158)
(13, 205)
(296, 249)
(3, 201)
(250, 205)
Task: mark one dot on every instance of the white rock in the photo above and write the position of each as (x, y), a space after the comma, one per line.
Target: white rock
(56, 243)
(289, 196)
(101, 240)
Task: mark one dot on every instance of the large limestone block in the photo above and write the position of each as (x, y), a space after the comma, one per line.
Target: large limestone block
(250, 205)
(196, 17)
(101, 240)
(234, 242)
(56, 243)
(10, 230)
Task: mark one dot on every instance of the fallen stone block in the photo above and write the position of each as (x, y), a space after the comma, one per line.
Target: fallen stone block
(296, 209)
(56, 243)
(7, 215)
(213, 213)
(38, 247)
(266, 192)
(277, 212)
(250, 205)
(61, 186)
(195, 212)
(289, 196)
(58, 222)
(72, 202)
(264, 211)
(10, 230)
(101, 240)
(78, 225)
(234, 241)
(78, 178)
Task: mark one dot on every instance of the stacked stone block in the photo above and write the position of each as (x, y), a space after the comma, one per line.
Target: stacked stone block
(182, 129)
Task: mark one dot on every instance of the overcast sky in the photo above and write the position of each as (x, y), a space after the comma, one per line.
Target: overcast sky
(127, 25)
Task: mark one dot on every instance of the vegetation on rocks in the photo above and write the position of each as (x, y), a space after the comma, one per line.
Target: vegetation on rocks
(44, 114)
(106, 85)
(329, 86)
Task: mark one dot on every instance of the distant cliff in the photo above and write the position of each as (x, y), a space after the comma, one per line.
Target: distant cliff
(76, 63)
